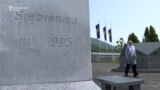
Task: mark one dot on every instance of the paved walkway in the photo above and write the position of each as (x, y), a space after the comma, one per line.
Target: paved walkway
(151, 80)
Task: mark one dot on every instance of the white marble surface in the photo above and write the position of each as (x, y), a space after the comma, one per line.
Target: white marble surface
(84, 85)
(46, 41)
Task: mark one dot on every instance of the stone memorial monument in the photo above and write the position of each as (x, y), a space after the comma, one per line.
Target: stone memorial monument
(45, 45)
(148, 57)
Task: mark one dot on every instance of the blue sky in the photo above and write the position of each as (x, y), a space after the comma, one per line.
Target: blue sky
(124, 17)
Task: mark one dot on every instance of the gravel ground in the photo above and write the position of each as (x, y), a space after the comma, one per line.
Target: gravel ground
(151, 80)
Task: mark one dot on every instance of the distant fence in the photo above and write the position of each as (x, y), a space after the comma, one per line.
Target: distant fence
(104, 56)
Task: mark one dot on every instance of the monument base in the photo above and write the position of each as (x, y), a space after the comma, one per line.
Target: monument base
(83, 85)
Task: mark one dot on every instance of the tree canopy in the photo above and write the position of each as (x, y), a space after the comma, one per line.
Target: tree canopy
(133, 38)
(120, 43)
(150, 35)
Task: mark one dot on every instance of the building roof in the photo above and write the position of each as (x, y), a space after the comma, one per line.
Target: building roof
(147, 47)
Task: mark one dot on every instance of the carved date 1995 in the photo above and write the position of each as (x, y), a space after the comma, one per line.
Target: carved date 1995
(59, 42)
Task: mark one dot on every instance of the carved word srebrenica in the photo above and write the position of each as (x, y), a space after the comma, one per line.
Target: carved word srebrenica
(37, 17)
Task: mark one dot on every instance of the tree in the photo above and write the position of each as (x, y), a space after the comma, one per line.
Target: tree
(150, 35)
(146, 35)
(133, 38)
(120, 43)
(153, 34)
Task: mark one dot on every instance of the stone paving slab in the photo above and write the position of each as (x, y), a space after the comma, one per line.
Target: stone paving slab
(120, 80)
(139, 70)
(151, 80)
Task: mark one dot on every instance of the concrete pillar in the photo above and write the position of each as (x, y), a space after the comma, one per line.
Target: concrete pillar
(106, 86)
(134, 87)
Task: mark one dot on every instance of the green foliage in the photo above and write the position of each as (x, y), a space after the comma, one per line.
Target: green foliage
(133, 38)
(153, 34)
(94, 48)
(150, 35)
(147, 35)
(120, 43)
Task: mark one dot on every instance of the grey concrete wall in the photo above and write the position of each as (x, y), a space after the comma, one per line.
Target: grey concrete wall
(142, 62)
(44, 41)
(148, 62)
(154, 62)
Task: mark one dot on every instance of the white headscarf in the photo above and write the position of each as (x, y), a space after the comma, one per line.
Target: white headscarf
(131, 53)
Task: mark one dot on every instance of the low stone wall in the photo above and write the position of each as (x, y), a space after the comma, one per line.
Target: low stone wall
(105, 56)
